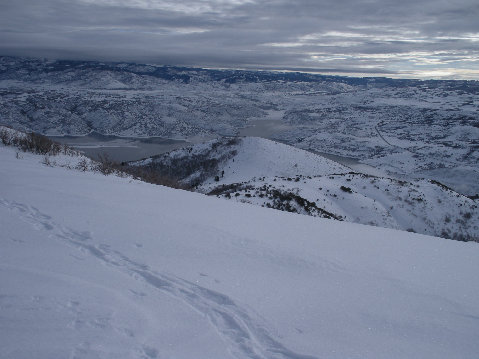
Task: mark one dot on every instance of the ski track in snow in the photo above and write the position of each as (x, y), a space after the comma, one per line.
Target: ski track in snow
(246, 339)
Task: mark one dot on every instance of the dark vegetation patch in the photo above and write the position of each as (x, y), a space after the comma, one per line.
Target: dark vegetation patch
(32, 142)
(443, 186)
(106, 166)
(277, 199)
(192, 168)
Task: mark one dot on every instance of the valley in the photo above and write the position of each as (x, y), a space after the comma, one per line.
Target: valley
(408, 129)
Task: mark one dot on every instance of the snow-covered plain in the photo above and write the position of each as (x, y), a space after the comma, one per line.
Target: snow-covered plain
(95, 266)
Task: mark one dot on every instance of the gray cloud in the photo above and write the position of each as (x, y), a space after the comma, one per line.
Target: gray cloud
(419, 38)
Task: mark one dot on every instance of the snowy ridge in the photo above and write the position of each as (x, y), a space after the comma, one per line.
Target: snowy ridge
(258, 157)
(239, 159)
(97, 266)
(228, 160)
(420, 206)
(270, 174)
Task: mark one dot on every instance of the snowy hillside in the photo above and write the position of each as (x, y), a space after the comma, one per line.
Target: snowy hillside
(258, 157)
(421, 206)
(52, 154)
(274, 175)
(239, 159)
(97, 266)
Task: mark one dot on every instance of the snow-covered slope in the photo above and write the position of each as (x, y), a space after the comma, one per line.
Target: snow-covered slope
(421, 206)
(258, 157)
(95, 266)
(271, 174)
(239, 159)
(53, 154)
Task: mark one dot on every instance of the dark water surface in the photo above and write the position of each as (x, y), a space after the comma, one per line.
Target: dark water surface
(120, 148)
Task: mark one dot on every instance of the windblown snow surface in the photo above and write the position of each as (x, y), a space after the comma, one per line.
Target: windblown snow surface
(95, 266)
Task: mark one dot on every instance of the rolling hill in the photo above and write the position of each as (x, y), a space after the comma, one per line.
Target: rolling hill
(275, 175)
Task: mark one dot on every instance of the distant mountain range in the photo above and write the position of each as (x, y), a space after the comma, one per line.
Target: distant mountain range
(35, 69)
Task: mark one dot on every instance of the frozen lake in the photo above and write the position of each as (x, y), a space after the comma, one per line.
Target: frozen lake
(120, 148)
(266, 127)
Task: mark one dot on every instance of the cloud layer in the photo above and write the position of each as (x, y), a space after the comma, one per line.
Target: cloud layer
(420, 38)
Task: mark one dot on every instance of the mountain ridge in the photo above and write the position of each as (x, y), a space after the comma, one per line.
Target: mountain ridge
(269, 174)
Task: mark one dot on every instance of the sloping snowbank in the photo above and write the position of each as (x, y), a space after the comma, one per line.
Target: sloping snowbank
(239, 159)
(258, 157)
(97, 266)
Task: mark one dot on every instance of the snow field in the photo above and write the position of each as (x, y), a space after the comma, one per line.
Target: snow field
(97, 266)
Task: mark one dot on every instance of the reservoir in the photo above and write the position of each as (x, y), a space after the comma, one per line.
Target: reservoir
(120, 148)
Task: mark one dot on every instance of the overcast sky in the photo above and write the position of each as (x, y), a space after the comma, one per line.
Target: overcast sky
(394, 38)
